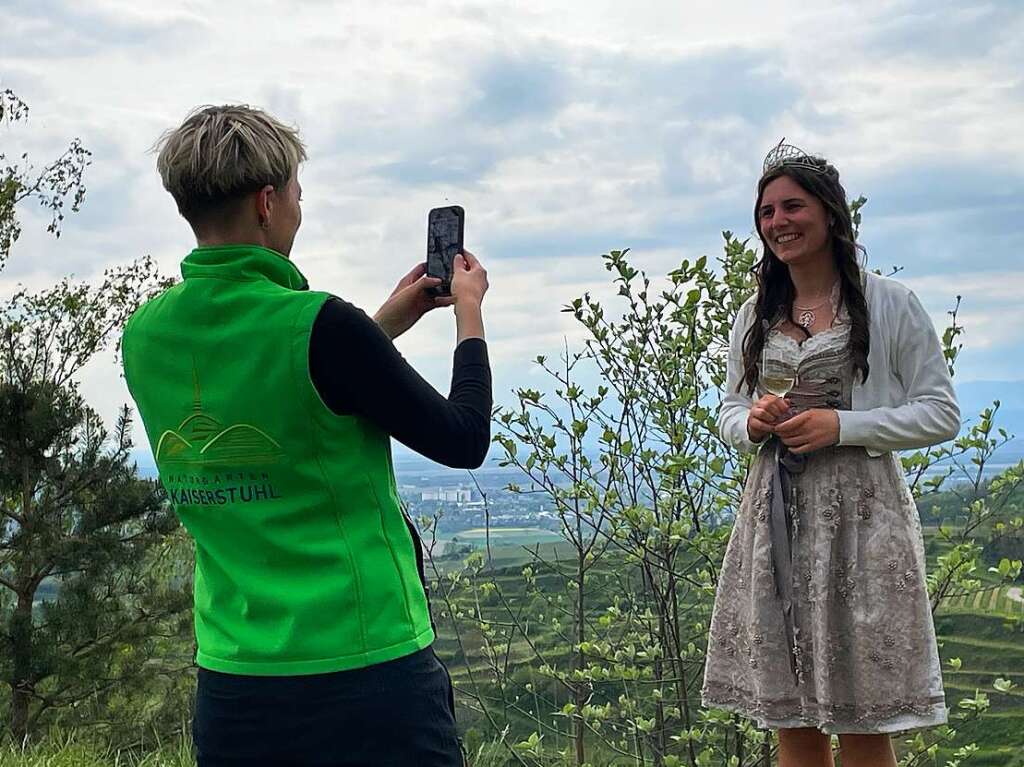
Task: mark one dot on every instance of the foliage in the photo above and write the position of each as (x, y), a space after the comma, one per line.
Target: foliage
(597, 657)
(983, 505)
(592, 653)
(50, 187)
(85, 591)
(71, 749)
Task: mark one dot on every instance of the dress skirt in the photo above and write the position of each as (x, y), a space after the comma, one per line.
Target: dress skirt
(860, 654)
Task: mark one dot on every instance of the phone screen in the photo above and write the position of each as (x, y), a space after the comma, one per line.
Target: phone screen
(445, 229)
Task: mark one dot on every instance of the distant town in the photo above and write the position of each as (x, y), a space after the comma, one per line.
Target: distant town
(428, 489)
(462, 499)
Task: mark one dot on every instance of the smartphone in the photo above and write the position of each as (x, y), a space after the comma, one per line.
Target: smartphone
(446, 228)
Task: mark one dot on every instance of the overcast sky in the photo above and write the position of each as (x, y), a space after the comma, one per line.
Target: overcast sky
(565, 129)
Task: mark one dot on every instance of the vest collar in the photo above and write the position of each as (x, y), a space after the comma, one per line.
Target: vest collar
(243, 262)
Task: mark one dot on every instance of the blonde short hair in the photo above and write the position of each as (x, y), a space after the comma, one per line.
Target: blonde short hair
(222, 153)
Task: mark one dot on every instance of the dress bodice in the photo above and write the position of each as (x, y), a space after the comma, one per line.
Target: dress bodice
(823, 364)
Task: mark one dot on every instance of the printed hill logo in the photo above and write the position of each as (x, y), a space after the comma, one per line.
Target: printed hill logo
(201, 439)
(204, 463)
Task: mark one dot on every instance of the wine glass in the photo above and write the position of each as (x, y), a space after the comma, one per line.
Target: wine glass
(778, 370)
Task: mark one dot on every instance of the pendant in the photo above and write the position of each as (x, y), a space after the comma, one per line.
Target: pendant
(806, 318)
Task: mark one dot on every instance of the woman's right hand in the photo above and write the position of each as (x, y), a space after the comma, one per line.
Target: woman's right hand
(763, 416)
(469, 280)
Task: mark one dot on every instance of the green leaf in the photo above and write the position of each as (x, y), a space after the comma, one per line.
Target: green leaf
(1003, 685)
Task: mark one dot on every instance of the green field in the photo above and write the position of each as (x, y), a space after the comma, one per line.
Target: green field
(504, 536)
(989, 647)
(984, 629)
(996, 600)
(510, 546)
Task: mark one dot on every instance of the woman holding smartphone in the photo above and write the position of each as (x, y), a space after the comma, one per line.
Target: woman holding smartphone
(822, 623)
(270, 408)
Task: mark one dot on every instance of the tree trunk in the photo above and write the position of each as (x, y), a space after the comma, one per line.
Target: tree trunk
(659, 679)
(579, 729)
(659, 721)
(23, 685)
(674, 640)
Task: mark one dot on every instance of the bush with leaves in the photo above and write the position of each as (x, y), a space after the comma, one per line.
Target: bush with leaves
(88, 582)
(596, 657)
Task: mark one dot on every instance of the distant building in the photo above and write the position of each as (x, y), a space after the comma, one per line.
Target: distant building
(449, 494)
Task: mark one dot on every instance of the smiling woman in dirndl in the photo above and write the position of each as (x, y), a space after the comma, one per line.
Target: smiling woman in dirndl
(822, 623)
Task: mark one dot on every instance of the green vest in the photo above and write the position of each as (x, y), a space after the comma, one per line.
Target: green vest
(304, 563)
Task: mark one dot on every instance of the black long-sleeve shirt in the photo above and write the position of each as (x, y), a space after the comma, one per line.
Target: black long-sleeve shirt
(357, 370)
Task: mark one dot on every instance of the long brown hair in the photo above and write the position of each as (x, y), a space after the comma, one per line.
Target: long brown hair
(775, 289)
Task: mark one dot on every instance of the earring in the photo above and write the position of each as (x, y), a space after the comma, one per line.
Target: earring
(264, 223)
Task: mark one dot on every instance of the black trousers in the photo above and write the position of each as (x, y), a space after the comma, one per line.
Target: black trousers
(389, 715)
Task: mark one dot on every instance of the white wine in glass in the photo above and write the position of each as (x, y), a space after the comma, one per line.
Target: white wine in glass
(778, 374)
(779, 386)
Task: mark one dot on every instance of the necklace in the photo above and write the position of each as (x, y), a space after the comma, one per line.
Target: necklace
(806, 315)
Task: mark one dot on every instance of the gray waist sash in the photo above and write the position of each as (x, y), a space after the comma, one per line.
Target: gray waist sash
(824, 380)
(780, 534)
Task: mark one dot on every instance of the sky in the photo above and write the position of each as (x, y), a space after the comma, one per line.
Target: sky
(564, 129)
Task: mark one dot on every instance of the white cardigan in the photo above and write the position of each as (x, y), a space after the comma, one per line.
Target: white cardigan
(908, 400)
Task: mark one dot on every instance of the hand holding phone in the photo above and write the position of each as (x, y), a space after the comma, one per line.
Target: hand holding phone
(409, 301)
(469, 284)
(469, 281)
(445, 233)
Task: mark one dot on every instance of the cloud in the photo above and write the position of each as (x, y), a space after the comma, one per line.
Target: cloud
(946, 189)
(716, 83)
(937, 217)
(990, 311)
(564, 129)
(512, 87)
(451, 163)
(49, 29)
(959, 31)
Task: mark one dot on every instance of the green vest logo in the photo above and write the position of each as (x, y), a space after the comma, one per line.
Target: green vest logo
(201, 439)
(202, 442)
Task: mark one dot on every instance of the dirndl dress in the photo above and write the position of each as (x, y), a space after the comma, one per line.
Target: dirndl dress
(821, 616)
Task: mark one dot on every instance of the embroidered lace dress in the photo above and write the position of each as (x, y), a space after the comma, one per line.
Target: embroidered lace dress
(855, 652)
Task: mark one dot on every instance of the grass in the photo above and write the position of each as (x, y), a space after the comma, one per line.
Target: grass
(981, 629)
(989, 647)
(994, 600)
(69, 750)
(529, 534)
(511, 550)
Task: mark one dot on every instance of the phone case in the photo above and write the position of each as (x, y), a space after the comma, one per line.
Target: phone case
(445, 231)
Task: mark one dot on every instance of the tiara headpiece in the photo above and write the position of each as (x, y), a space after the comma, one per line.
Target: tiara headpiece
(787, 154)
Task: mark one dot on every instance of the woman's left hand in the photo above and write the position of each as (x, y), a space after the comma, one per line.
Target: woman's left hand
(810, 430)
(409, 301)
